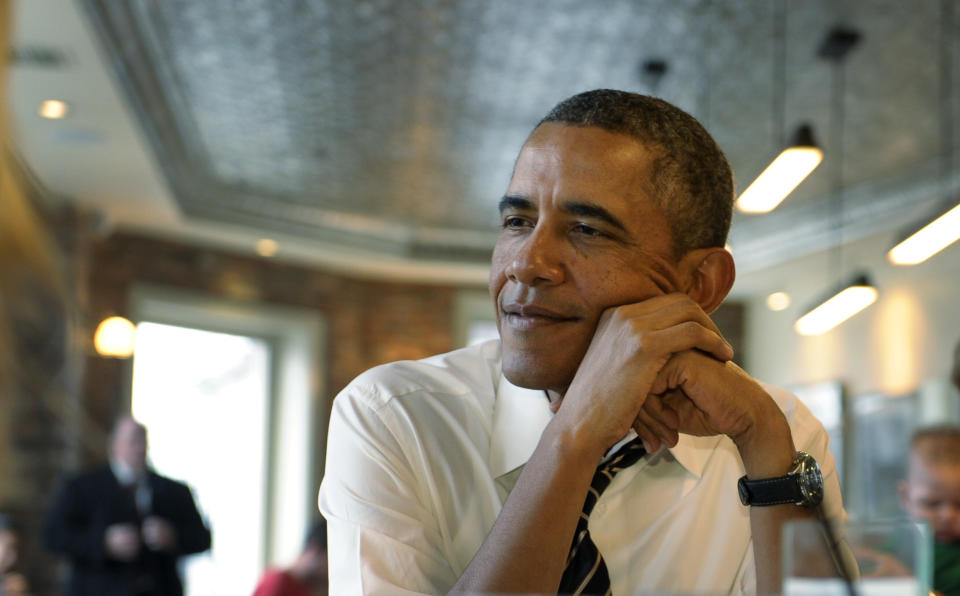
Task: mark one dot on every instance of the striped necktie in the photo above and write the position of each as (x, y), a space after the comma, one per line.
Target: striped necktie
(586, 573)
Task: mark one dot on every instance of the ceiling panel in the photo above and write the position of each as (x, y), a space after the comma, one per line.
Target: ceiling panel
(393, 125)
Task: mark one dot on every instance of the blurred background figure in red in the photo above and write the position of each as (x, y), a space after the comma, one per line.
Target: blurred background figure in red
(307, 575)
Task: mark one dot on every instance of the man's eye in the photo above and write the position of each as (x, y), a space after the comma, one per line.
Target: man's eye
(513, 222)
(587, 230)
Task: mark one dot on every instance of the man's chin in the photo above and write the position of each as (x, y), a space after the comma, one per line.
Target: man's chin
(531, 377)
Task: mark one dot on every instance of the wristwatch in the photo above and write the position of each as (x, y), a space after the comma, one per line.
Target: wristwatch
(803, 485)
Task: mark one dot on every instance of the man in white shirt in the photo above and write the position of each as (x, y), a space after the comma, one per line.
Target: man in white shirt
(469, 472)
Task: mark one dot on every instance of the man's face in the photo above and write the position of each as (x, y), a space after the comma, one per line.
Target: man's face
(130, 444)
(933, 494)
(580, 234)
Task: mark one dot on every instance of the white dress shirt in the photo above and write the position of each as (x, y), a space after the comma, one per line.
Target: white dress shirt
(422, 455)
(126, 477)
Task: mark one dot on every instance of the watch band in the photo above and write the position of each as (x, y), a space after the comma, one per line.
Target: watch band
(803, 485)
(770, 491)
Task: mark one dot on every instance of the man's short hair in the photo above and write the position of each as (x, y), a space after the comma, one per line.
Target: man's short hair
(692, 179)
(937, 444)
(317, 536)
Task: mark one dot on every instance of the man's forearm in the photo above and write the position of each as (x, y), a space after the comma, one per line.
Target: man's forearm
(767, 451)
(766, 524)
(526, 551)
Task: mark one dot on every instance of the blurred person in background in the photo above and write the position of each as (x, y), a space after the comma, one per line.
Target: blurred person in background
(307, 576)
(124, 527)
(11, 582)
(931, 493)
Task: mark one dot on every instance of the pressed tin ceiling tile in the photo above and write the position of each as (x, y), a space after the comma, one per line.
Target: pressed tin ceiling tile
(396, 123)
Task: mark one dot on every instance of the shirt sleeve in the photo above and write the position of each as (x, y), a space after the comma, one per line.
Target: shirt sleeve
(809, 436)
(383, 534)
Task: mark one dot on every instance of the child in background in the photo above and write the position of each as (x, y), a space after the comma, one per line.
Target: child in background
(932, 493)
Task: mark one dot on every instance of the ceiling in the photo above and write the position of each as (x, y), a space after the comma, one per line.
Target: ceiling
(376, 136)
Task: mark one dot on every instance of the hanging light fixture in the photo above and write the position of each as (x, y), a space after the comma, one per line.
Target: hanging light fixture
(839, 305)
(799, 156)
(856, 293)
(942, 230)
(784, 174)
(930, 239)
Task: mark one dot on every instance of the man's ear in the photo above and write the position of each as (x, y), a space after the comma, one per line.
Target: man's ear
(710, 275)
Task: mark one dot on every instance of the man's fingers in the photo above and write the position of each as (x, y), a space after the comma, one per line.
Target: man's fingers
(684, 309)
(650, 441)
(690, 336)
(661, 422)
(666, 311)
(657, 406)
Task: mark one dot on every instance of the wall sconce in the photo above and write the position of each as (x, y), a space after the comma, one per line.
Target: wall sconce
(115, 338)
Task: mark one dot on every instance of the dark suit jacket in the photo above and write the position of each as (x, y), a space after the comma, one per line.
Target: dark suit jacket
(90, 502)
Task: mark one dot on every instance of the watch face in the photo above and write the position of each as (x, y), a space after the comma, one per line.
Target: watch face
(810, 480)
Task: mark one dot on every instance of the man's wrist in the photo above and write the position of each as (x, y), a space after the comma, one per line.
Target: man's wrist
(766, 447)
(573, 443)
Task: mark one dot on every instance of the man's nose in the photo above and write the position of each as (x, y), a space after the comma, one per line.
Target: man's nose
(537, 260)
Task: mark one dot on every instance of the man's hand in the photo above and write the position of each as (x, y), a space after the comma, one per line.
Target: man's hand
(631, 345)
(704, 396)
(122, 541)
(707, 397)
(158, 534)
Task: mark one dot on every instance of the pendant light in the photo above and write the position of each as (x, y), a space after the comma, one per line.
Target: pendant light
(800, 155)
(855, 293)
(843, 302)
(942, 230)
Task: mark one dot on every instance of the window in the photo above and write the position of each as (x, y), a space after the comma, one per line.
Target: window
(236, 385)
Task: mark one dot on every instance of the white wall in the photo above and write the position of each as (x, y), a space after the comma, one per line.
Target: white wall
(896, 346)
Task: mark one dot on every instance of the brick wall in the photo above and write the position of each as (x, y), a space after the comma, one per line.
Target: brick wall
(368, 323)
(56, 421)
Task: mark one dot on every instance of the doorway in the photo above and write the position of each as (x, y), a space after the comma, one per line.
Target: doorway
(232, 402)
(204, 397)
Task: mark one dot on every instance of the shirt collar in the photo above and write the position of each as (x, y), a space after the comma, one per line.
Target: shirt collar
(125, 474)
(693, 453)
(519, 418)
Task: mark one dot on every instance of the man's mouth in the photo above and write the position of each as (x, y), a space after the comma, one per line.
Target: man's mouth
(531, 316)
